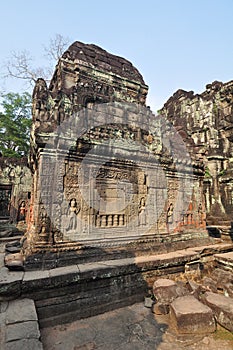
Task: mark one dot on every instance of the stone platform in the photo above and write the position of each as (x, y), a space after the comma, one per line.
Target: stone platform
(69, 293)
(52, 256)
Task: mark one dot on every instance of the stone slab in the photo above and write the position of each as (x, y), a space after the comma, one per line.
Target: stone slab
(22, 330)
(21, 310)
(188, 315)
(10, 283)
(24, 344)
(222, 307)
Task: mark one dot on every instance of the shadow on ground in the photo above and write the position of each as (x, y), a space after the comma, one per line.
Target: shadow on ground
(129, 328)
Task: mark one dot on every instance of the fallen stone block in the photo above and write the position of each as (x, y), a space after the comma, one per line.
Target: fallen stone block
(14, 262)
(160, 309)
(228, 290)
(165, 290)
(188, 315)
(194, 288)
(222, 307)
(221, 276)
(209, 284)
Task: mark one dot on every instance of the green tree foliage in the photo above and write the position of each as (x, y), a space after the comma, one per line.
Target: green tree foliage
(15, 124)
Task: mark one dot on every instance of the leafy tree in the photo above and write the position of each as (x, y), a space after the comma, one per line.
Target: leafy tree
(15, 123)
(15, 109)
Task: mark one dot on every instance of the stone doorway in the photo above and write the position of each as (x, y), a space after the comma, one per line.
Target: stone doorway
(5, 197)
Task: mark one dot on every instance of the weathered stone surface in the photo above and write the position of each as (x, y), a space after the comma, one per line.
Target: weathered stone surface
(222, 307)
(26, 344)
(188, 315)
(209, 284)
(10, 283)
(94, 97)
(22, 330)
(14, 261)
(165, 290)
(21, 310)
(225, 261)
(207, 119)
(15, 176)
(221, 276)
(148, 302)
(228, 289)
(159, 308)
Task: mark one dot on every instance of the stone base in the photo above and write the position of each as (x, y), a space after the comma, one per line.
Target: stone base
(69, 253)
(65, 294)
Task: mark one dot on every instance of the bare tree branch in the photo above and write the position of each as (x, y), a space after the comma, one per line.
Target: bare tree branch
(56, 47)
(20, 64)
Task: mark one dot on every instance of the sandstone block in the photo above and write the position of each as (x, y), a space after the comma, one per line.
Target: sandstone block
(24, 344)
(188, 315)
(14, 261)
(22, 330)
(10, 283)
(160, 308)
(209, 284)
(165, 290)
(20, 311)
(222, 307)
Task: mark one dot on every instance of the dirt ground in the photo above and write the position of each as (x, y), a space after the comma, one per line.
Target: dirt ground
(130, 328)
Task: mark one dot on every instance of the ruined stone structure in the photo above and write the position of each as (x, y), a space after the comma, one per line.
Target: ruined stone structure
(206, 118)
(117, 192)
(107, 173)
(15, 189)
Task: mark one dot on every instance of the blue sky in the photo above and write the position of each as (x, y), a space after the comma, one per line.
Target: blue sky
(175, 44)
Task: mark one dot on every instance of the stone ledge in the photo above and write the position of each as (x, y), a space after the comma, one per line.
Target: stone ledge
(225, 260)
(14, 284)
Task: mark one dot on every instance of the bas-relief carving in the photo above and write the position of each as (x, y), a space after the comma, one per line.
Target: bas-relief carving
(146, 197)
(142, 216)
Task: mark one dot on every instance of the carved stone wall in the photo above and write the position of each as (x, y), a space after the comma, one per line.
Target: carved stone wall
(15, 189)
(106, 170)
(207, 119)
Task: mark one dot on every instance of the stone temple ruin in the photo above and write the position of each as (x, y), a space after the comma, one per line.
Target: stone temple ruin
(106, 171)
(207, 119)
(119, 196)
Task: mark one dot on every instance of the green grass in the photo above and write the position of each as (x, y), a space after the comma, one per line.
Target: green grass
(223, 334)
